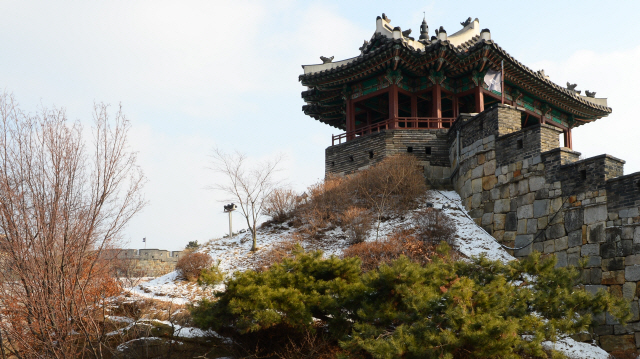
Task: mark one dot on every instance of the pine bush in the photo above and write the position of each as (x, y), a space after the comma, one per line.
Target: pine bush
(442, 309)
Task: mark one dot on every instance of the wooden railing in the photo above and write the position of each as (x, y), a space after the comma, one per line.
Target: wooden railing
(400, 123)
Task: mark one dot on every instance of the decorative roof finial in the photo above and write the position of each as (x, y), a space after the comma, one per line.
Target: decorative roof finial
(466, 22)
(424, 28)
(572, 87)
(590, 94)
(326, 60)
(385, 18)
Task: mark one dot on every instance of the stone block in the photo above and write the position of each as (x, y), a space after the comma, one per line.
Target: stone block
(548, 246)
(509, 236)
(632, 260)
(523, 187)
(487, 219)
(595, 214)
(562, 243)
(603, 330)
(555, 231)
(522, 226)
(542, 222)
(532, 226)
(575, 238)
(613, 234)
(490, 168)
(607, 250)
(596, 233)
(495, 194)
(627, 233)
(476, 200)
(540, 208)
(613, 277)
(625, 248)
(542, 194)
(502, 206)
(623, 329)
(616, 290)
(632, 273)
(498, 235)
(477, 172)
(556, 205)
(611, 264)
(594, 261)
(511, 223)
(629, 290)
(522, 240)
(504, 192)
(596, 275)
(538, 247)
(573, 259)
(476, 185)
(593, 289)
(525, 211)
(573, 220)
(618, 343)
(526, 199)
(488, 205)
(590, 250)
(536, 183)
(488, 182)
(499, 221)
(562, 259)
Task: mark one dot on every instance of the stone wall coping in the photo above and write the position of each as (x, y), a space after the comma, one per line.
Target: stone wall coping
(530, 128)
(592, 159)
(635, 174)
(560, 149)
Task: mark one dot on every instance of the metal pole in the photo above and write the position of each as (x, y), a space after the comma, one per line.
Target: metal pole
(230, 230)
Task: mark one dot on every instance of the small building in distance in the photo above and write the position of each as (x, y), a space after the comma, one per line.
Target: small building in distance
(147, 262)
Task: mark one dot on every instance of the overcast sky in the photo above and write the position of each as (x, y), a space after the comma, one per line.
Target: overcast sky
(192, 75)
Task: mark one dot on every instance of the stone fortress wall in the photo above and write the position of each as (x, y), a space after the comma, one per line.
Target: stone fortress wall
(148, 262)
(527, 191)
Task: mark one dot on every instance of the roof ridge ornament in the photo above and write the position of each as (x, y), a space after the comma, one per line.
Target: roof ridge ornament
(572, 87)
(424, 28)
(326, 60)
(466, 22)
(590, 94)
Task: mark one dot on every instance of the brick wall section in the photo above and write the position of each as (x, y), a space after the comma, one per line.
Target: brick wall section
(365, 151)
(623, 192)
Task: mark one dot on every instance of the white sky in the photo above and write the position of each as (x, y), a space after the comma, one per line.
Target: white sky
(192, 75)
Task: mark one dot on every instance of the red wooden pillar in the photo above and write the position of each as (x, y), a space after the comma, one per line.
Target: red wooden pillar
(393, 105)
(568, 142)
(414, 109)
(351, 120)
(456, 109)
(479, 99)
(437, 105)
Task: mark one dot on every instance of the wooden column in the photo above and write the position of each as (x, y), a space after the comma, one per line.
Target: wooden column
(351, 120)
(456, 109)
(568, 142)
(437, 104)
(393, 105)
(414, 108)
(479, 99)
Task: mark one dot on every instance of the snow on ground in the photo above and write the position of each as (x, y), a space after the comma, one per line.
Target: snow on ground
(234, 253)
(576, 350)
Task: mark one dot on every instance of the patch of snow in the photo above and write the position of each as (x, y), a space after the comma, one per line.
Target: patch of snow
(576, 350)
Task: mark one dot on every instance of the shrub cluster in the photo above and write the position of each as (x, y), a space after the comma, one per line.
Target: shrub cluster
(192, 263)
(281, 204)
(443, 309)
(433, 226)
(390, 187)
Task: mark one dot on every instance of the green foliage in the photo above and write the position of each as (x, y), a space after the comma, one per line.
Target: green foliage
(192, 245)
(444, 309)
(211, 276)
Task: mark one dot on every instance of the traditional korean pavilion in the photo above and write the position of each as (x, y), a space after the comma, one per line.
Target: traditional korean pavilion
(399, 82)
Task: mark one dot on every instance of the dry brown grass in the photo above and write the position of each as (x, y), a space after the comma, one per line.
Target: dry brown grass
(191, 264)
(276, 253)
(432, 226)
(404, 242)
(281, 205)
(356, 222)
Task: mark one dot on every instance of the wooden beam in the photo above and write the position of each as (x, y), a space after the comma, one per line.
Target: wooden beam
(456, 107)
(568, 141)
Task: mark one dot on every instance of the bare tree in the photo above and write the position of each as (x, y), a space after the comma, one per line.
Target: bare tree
(248, 185)
(63, 206)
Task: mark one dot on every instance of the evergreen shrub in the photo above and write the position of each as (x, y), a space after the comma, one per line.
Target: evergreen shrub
(443, 309)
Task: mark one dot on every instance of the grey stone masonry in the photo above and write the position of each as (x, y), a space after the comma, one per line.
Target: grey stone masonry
(525, 190)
